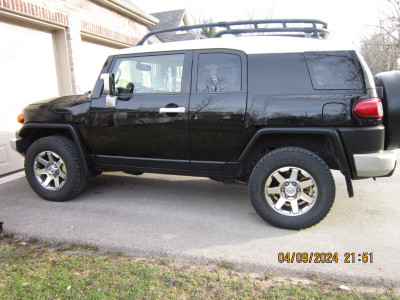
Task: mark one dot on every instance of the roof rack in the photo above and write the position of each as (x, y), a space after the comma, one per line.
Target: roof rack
(286, 27)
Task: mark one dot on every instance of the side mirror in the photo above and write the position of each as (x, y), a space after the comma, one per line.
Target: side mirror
(108, 80)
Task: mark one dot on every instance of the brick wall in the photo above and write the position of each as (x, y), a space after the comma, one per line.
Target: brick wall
(34, 10)
(95, 16)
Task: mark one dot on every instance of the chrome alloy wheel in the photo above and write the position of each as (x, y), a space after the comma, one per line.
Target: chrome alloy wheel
(291, 191)
(50, 170)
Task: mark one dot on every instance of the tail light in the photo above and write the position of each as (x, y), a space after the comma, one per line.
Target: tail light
(370, 108)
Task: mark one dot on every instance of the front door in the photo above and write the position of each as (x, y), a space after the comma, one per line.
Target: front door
(148, 127)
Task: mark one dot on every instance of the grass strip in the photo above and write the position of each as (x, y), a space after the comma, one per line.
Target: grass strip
(34, 270)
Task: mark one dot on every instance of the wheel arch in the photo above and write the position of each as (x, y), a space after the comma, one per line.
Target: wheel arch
(325, 142)
(34, 131)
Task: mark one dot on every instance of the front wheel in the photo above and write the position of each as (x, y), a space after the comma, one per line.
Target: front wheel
(292, 188)
(54, 169)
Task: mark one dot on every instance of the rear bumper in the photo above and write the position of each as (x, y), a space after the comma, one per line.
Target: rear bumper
(376, 164)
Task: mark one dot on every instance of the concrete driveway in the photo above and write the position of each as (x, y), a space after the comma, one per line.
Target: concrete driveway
(199, 220)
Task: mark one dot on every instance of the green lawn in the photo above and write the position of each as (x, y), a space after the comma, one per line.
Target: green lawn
(37, 270)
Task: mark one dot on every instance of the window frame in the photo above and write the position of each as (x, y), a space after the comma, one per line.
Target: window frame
(187, 63)
(243, 58)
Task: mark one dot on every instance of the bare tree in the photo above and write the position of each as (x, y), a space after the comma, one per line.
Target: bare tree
(198, 16)
(381, 50)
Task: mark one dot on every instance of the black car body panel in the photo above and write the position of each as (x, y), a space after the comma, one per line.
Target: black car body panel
(65, 109)
(276, 97)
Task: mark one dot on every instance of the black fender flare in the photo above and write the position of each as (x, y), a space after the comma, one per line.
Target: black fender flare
(76, 136)
(334, 135)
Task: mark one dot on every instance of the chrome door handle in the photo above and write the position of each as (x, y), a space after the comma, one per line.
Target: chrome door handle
(172, 110)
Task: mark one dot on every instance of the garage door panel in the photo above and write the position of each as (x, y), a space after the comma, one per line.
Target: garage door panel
(27, 58)
(28, 73)
(94, 55)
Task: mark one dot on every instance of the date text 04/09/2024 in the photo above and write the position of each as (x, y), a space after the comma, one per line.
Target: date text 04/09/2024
(325, 257)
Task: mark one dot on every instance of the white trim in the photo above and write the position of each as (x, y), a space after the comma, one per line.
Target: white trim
(185, 18)
(103, 39)
(39, 22)
(61, 55)
(131, 11)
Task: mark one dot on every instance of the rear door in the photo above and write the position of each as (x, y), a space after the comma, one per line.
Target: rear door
(217, 106)
(148, 128)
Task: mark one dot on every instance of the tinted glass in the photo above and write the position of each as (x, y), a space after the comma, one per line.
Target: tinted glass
(339, 70)
(278, 73)
(149, 74)
(219, 72)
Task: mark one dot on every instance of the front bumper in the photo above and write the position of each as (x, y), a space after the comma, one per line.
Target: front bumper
(16, 144)
(376, 164)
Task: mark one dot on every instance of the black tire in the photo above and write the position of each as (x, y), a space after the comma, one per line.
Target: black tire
(287, 176)
(54, 169)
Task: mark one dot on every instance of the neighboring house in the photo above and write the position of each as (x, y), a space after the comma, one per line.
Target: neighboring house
(57, 47)
(173, 18)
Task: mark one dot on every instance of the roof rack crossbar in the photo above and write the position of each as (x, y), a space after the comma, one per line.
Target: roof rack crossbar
(318, 27)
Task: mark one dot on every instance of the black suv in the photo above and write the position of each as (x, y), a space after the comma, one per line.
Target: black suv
(275, 111)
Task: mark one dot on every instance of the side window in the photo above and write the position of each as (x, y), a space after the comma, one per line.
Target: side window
(219, 72)
(339, 70)
(149, 74)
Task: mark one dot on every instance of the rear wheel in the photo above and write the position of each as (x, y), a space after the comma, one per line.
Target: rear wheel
(292, 188)
(54, 169)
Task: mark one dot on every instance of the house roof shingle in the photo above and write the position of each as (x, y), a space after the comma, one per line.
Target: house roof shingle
(168, 19)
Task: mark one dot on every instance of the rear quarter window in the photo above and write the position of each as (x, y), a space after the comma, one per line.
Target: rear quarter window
(335, 70)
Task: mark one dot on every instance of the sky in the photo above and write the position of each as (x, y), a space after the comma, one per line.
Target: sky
(348, 20)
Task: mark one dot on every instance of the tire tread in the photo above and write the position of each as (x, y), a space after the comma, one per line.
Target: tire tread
(78, 168)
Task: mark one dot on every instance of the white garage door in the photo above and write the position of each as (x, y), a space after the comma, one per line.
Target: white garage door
(94, 55)
(28, 73)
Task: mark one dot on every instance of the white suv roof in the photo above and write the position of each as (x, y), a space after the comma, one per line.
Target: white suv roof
(248, 44)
